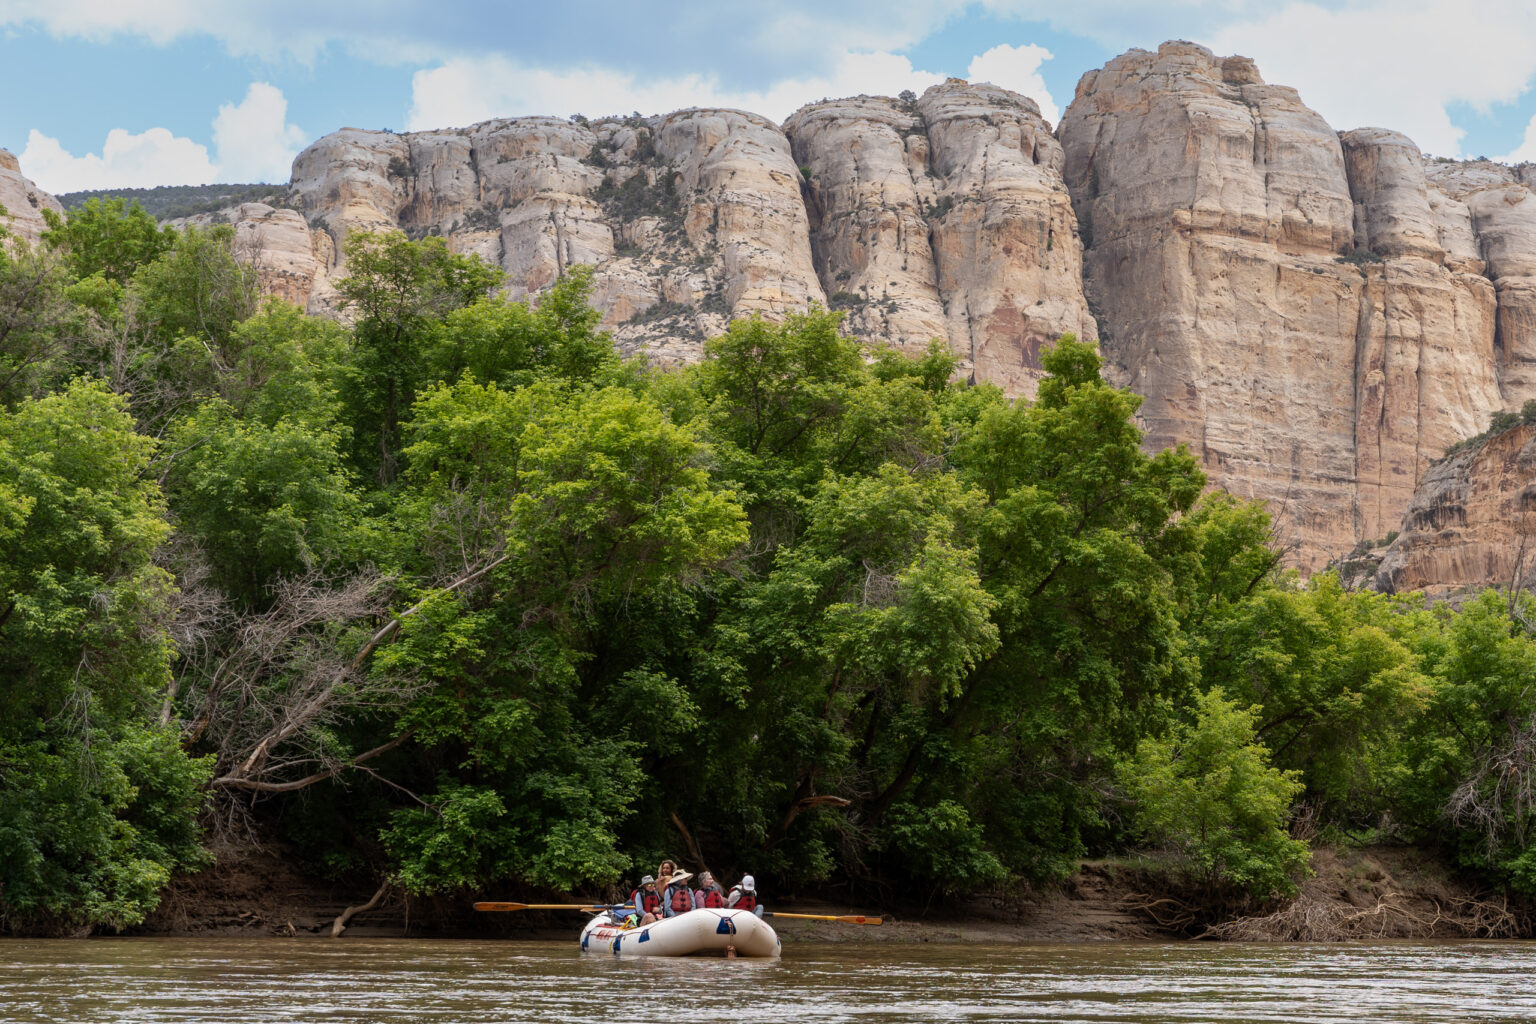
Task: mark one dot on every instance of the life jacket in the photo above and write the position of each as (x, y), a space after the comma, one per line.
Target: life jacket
(713, 899)
(646, 902)
(746, 901)
(682, 899)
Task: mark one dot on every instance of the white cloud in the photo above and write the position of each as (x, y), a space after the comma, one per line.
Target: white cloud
(470, 89)
(1524, 152)
(252, 139)
(151, 158)
(1399, 66)
(1017, 68)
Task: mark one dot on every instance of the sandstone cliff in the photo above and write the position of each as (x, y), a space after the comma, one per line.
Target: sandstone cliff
(1300, 307)
(24, 202)
(947, 218)
(1472, 523)
(1317, 315)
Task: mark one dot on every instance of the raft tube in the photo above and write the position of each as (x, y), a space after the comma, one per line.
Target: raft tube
(697, 931)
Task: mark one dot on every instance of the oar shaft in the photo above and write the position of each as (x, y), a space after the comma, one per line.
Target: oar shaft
(844, 918)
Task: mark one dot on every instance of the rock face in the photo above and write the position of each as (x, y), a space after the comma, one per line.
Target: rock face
(946, 218)
(278, 244)
(1472, 521)
(1317, 315)
(689, 219)
(24, 202)
(1301, 308)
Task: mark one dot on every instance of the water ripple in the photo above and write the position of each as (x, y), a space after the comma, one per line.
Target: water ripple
(225, 981)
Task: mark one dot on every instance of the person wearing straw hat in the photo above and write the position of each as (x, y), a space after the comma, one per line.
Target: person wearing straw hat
(678, 898)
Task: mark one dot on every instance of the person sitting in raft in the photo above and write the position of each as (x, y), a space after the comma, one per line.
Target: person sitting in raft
(665, 872)
(744, 896)
(708, 894)
(678, 898)
(647, 900)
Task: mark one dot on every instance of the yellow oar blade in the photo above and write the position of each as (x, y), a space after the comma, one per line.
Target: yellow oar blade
(548, 906)
(844, 918)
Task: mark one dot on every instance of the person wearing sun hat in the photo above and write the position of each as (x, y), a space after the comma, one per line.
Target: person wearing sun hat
(678, 898)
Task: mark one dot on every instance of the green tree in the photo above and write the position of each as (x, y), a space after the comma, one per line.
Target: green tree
(262, 501)
(1209, 791)
(398, 290)
(112, 238)
(1333, 678)
(98, 803)
(590, 502)
(38, 323)
(1467, 767)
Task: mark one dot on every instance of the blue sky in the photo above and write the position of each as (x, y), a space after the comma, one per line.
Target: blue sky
(103, 93)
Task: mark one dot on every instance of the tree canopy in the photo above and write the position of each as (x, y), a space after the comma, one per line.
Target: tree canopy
(453, 596)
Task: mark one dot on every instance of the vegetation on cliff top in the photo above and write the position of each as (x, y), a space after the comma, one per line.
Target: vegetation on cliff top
(170, 202)
(456, 598)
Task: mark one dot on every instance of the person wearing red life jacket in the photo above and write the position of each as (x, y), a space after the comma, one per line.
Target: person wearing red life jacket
(647, 900)
(708, 894)
(744, 896)
(678, 898)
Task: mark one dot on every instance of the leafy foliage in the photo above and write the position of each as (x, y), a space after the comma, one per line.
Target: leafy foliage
(1209, 790)
(452, 595)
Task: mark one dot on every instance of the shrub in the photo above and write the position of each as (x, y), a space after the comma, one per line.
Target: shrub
(1503, 420)
(1359, 256)
(1210, 792)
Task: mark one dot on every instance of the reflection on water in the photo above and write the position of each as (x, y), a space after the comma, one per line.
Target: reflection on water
(235, 981)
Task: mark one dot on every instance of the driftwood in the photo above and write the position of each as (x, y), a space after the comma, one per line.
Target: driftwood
(340, 924)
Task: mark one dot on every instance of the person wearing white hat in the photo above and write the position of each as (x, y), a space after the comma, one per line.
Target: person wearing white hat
(744, 896)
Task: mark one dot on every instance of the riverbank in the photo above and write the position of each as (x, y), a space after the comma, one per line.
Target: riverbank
(1355, 893)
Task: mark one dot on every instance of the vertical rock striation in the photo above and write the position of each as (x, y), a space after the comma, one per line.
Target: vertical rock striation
(947, 219)
(1295, 305)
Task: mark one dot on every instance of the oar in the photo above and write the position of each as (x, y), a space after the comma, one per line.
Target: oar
(552, 906)
(844, 918)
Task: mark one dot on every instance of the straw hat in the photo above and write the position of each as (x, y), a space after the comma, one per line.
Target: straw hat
(681, 876)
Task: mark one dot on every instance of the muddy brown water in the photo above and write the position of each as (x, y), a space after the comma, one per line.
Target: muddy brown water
(238, 981)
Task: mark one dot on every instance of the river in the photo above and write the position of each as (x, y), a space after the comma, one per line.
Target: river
(239, 981)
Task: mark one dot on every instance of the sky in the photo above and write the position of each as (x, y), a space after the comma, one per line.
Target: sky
(137, 93)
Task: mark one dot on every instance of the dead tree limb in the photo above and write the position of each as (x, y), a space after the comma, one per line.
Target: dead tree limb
(262, 786)
(688, 843)
(340, 924)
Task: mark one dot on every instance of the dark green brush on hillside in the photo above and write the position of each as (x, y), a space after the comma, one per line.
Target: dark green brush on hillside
(168, 202)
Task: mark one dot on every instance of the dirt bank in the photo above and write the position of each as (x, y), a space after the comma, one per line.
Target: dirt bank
(1377, 892)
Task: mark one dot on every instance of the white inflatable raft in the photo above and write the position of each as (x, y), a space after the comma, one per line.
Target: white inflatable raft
(697, 931)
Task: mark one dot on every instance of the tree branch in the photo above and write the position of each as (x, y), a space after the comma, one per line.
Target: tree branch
(238, 781)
